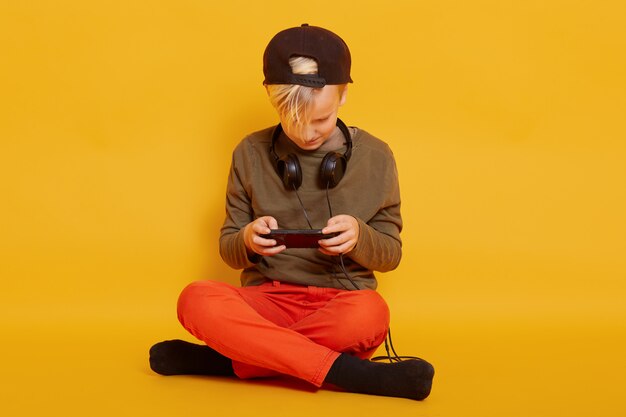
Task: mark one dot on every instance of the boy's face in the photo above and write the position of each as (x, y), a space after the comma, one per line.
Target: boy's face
(323, 119)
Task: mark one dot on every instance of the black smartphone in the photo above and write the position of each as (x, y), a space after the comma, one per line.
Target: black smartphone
(298, 238)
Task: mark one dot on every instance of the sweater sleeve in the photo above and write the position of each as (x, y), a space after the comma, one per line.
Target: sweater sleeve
(238, 214)
(376, 250)
(379, 246)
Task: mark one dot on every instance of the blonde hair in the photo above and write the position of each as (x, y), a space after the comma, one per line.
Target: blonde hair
(293, 101)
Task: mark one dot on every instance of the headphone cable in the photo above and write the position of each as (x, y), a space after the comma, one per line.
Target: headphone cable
(392, 356)
(306, 216)
(388, 341)
(341, 263)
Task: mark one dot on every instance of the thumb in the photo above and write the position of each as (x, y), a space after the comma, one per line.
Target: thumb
(271, 222)
(332, 220)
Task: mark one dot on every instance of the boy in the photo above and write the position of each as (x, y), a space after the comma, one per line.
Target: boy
(309, 313)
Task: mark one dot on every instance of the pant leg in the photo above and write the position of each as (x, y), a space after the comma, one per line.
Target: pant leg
(354, 322)
(217, 314)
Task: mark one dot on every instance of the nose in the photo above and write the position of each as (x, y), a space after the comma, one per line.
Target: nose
(309, 133)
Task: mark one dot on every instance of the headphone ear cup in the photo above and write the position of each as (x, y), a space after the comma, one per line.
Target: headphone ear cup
(290, 172)
(332, 169)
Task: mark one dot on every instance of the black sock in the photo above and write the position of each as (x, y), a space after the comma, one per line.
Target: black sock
(407, 379)
(177, 357)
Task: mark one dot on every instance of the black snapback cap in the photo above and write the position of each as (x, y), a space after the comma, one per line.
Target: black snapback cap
(329, 51)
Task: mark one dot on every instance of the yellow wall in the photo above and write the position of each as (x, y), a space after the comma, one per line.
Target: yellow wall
(117, 121)
(507, 121)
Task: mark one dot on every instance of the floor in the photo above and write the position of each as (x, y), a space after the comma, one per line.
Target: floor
(484, 368)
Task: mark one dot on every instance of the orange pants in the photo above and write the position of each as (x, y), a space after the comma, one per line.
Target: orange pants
(279, 328)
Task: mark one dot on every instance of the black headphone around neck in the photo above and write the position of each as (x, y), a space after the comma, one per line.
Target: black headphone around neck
(332, 168)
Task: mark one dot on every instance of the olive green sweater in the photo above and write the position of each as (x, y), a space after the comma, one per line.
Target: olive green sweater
(369, 191)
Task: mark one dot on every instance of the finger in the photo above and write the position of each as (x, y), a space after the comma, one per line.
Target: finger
(329, 249)
(273, 250)
(272, 223)
(260, 227)
(347, 247)
(334, 220)
(344, 235)
(261, 241)
(333, 241)
(326, 252)
(341, 248)
(337, 227)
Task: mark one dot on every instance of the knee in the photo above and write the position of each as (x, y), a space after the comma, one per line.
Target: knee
(366, 324)
(372, 311)
(196, 302)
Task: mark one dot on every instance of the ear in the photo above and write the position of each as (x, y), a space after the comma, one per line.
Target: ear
(344, 95)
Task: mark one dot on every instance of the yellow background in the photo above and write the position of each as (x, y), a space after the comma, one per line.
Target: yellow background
(117, 120)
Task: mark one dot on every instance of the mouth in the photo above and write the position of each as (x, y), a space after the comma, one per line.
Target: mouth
(311, 142)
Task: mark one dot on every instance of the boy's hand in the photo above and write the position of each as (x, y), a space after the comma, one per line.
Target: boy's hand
(257, 244)
(348, 229)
